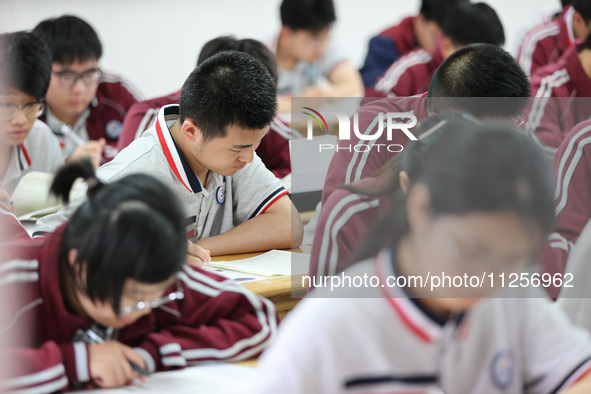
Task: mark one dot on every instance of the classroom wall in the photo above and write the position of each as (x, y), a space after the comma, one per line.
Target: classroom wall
(155, 43)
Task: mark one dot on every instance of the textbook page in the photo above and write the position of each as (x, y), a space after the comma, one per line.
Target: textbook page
(271, 264)
(219, 378)
(31, 197)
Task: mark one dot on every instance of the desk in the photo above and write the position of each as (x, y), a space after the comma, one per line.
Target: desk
(277, 290)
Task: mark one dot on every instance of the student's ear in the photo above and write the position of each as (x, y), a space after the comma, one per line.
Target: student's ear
(72, 256)
(404, 181)
(418, 207)
(190, 131)
(446, 47)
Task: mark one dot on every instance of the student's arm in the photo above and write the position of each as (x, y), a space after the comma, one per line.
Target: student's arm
(583, 386)
(48, 369)
(279, 227)
(345, 81)
(218, 320)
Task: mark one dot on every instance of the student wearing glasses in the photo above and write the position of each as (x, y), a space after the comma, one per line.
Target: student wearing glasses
(26, 143)
(85, 107)
(108, 294)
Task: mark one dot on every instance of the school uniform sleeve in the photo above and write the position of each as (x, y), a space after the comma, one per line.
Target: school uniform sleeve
(10, 227)
(557, 353)
(382, 52)
(331, 59)
(342, 225)
(572, 165)
(538, 47)
(218, 320)
(44, 148)
(47, 369)
(405, 76)
(254, 190)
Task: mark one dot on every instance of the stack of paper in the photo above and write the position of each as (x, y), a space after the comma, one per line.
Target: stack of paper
(271, 264)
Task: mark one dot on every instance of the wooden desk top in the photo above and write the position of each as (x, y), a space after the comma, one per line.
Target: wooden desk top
(284, 292)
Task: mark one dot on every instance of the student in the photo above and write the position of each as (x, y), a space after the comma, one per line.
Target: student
(104, 271)
(561, 94)
(274, 148)
(411, 74)
(204, 150)
(545, 43)
(351, 210)
(482, 203)
(26, 143)
(413, 32)
(572, 198)
(81, 98)
(305, 54)
(459, 84)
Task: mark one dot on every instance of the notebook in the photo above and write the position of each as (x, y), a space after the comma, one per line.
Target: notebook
(274, 263)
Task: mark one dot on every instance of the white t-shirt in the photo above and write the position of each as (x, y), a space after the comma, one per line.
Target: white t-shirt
(378, 341)
(293, 82)
(224, 202)
(40, 152)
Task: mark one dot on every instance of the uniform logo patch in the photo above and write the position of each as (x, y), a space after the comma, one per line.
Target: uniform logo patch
(220, 195)
(502, 369)
(113, 129)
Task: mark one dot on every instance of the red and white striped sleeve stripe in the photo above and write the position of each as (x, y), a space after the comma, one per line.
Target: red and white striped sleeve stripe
(392, 76)
(530, 44)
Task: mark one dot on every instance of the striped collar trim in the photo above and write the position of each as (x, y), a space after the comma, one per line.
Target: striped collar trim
(24, 158)
(177, 162)
(413, 317)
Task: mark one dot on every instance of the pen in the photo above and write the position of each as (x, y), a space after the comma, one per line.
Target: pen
(92, 337)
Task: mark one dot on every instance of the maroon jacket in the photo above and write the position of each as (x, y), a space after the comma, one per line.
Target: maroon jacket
(217, 320)
(113, 99)
(273, 150)
(572, 166)
(562, 99)
(356, 159)
(409, 75)
(546, 42)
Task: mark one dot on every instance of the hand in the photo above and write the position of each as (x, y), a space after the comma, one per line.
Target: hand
(5, 200)
(92, 149)
(196, 255)
(109, 364)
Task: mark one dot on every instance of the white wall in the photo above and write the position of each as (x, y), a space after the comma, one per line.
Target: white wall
(155, 43)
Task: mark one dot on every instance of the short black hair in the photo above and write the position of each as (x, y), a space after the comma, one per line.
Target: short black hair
(480, 70)
(230, 88)
(314, 15)
(25, 64)
(471, 23)
(438, 10)
(70, 39)
(583, 7)
(586, 44)
(247, 45)
(132, 228)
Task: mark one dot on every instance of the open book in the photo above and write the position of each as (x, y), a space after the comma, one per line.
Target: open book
(31, 198)
(267, 265)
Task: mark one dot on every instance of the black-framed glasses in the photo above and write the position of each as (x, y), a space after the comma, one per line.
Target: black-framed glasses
(31, 110)
(179, 294)
(68, 79)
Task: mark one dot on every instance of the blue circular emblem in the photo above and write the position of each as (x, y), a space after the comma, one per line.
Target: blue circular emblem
(113, 129)
(220, 195)
(502, 369)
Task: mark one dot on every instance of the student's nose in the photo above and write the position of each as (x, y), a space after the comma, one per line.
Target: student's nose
(248, 155)
(19, 118)
(79, 86)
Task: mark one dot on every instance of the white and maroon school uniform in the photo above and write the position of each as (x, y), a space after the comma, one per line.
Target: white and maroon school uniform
(561, 99)
(11, 228)
(216, 320)
(409, 75)
(546, 42)
(39, 152)
(293, 82)
(344, 222)
(273, 149)
(350, 164)
(572, 197)
(377, 340)
(212, 209)
(102, 119)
